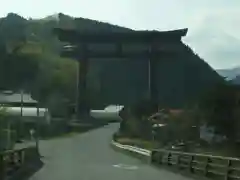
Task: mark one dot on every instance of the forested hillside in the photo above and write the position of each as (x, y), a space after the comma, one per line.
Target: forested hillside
(30, 60)
(236, 80)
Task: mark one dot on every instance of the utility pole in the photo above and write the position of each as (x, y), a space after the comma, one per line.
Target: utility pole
(21, 103)
(37, 131)
(77, 91)
(8, 134)
(149, 79)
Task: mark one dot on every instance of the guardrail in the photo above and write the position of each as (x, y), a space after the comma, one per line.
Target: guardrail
(141, 151)
(12, 161)
(209, 166)
(214, 167)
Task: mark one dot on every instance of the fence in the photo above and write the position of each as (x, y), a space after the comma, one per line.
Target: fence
(215, 167)
(14, 160)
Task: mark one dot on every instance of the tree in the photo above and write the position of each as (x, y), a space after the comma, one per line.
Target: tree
(55, 76)
(220, 109)
(135, 121)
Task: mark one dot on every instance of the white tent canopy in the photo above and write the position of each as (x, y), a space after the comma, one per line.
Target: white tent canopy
(110, 112)
(26, 111)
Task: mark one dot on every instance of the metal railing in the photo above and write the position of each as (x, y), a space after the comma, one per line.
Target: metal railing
(215, 167)
(138, 150)
(13, 160)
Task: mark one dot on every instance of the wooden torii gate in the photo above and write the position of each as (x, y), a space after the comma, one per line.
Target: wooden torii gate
(156, 44)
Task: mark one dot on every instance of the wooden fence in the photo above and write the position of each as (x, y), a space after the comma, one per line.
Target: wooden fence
(12, 161)
(214, 167)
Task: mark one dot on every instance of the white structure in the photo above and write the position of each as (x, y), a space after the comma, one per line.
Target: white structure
(17, 104)
(30, 113)
(7, 97)
(109, 113)
(26, 111)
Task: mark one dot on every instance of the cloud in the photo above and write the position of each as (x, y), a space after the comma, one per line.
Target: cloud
(213, 24)
(215, 37)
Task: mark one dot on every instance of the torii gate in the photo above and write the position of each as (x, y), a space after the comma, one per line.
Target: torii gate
(155, 44)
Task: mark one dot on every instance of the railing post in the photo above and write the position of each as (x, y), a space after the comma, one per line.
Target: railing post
(12, 158)
(178, 162)
(16, 159)
(159, 158)
(23, 156)
(169, 159)
(2, 167)
(190, 163)
(152, 156)
(229, 163)
(206, 167)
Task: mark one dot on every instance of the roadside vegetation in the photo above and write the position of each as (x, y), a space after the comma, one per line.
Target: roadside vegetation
(210, 125)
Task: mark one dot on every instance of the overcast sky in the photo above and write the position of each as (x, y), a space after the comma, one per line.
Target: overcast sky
(214, 25)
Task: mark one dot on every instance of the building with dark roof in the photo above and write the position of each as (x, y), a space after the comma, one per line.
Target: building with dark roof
(16, 99)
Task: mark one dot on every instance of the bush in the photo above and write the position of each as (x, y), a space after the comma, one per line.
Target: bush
(135, 119)
(144, 108)
(220, 108)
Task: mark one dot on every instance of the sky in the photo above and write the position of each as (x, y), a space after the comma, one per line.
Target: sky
(213, 24)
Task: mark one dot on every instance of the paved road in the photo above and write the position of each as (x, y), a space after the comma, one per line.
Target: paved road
(88, 156)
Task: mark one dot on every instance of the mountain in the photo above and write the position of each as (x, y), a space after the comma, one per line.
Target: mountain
(229, 73)
(54, 17)
(180, 79)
